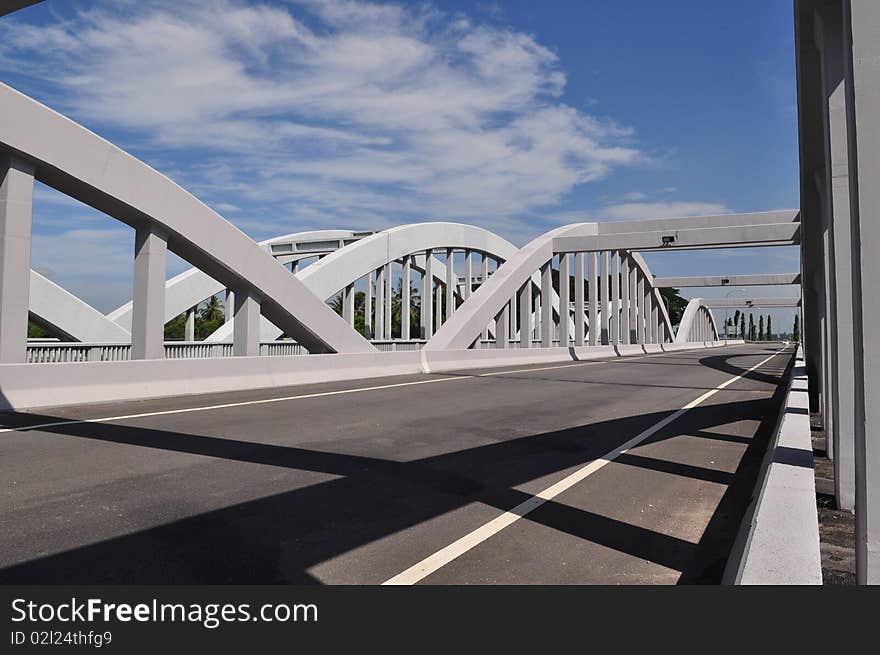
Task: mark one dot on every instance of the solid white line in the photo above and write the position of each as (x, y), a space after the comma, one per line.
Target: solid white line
(263, 401)
(457, 548)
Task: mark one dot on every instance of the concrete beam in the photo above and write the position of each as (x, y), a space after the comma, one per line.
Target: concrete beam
(732, 302)
(728, 280)
(774, 234)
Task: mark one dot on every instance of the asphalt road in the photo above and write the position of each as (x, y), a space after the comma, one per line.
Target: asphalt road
(409, 478)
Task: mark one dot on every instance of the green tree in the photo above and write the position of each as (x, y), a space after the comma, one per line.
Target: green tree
(796, 331)
(675, 304)
(36, 331)
(752, 334)
(742, 326)
(735, 322)
(761, 328)
(769, 328)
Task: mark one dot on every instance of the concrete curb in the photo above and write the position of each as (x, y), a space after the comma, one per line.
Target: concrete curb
(30, 386)
(778, 542)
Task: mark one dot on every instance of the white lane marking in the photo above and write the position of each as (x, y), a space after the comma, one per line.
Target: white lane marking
(457, 548)
(263, 401)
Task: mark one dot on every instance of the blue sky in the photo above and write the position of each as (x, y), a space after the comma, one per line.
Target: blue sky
(517, 116)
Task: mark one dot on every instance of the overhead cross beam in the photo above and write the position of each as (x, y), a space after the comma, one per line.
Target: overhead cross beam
(721, 303)
(728, 280)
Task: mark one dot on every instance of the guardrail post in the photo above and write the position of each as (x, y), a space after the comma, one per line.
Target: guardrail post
(579, 299)
(428, 296)
(564, 294)
(547, 304)
(593, 288)
(525, 314)
(604, 296)
(16, 211)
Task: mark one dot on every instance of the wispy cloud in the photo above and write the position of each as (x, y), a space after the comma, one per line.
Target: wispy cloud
(334, 111)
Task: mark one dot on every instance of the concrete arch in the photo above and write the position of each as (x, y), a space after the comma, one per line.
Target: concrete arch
(697, 316)
(345, 266)
(82, 165)
(491, 298)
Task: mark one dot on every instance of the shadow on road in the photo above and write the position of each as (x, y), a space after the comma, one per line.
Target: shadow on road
(279, 538)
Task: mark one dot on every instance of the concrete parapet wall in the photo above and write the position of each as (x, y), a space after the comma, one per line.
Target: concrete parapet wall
(779, 537)
(29, 386)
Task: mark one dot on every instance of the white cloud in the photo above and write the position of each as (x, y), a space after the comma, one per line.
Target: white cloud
(336, 111)
(647, 210)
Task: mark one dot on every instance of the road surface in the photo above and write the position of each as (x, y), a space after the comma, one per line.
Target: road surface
(494, 476)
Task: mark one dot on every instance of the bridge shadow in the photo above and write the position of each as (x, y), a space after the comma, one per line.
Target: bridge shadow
(727, 364)
(282, 537)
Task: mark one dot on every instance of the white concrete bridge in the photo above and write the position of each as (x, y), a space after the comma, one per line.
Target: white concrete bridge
(510, 332)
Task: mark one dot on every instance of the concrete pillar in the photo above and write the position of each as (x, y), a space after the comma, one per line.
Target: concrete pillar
(451, 283)
(484, 272)
(16, 211)
(579, 299)
(389, 296)
(380, 303)
(593, 276)
(861, 25)
(148, 297)
(189, 330)
(624, 297)
(501, 328)
(830, 32)
(655, 322)
(438, 305)
(633, 301)
(468, 274)
(525, 315)
(368, 307)
(229, 305)
(547, 304)
(246, 325)
(564, 293)
(348, 304)
(536, 332)
(605, 296)
(641, 308)
(615, 297)
(405, 299)
(428, 296)
(294, 266)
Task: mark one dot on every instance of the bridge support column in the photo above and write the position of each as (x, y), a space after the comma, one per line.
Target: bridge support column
(604, 297)
(624, 296)
(148, 298)
(633, 302)
(246, 325)
(189, 330)
(368, 307)
(640, 309)
(501, 327)
(405, 298)
(380, 303)
(564, 292)
(16, 211)
(438, 305)
(389, 295)
(228, 305)
(428, 296)
(468, 274)
(842, 391)
(593, 288)
(525, 315)
(484, 272)
(861, 25)
(655, 321)
(451, 283)
(579, 299)
(348, 304)
(615, 297)
(547, 304)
